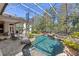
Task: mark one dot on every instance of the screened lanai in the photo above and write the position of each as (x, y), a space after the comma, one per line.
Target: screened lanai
(41, 17)
(30, 9)
(31, 12)
(60, 21)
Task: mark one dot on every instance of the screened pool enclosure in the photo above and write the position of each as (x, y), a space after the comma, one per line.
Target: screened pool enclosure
(51, 16)
(35, 19)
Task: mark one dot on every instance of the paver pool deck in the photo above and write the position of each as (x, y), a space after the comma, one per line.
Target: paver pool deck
(14, 48)
(10, 47)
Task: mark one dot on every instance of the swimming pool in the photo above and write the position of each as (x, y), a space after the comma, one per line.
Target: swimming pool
(48, 45)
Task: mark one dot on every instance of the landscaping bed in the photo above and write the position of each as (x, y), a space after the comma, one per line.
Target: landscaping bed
(71, 44)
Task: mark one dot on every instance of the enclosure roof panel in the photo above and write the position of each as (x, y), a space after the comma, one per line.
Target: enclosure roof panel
(30, 10)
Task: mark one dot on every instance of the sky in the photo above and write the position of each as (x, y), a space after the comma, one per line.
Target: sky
(22, 10)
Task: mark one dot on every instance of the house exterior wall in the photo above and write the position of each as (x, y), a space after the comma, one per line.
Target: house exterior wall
(10, 22)
(7, 27)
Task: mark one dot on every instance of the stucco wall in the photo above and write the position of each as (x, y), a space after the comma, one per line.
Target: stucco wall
(6, 27)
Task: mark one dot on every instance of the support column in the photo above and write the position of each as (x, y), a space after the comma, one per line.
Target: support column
(24, 29)
(14, 28)
(30, 28)
(6, 27)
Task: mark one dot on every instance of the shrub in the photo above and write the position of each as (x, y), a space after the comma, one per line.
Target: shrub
(71, 44)
(30, 35)
(75, 35)
(35, 32)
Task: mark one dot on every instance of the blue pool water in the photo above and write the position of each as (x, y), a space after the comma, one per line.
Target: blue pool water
(48, 45)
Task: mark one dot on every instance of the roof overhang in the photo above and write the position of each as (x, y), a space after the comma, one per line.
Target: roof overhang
(12, 19)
